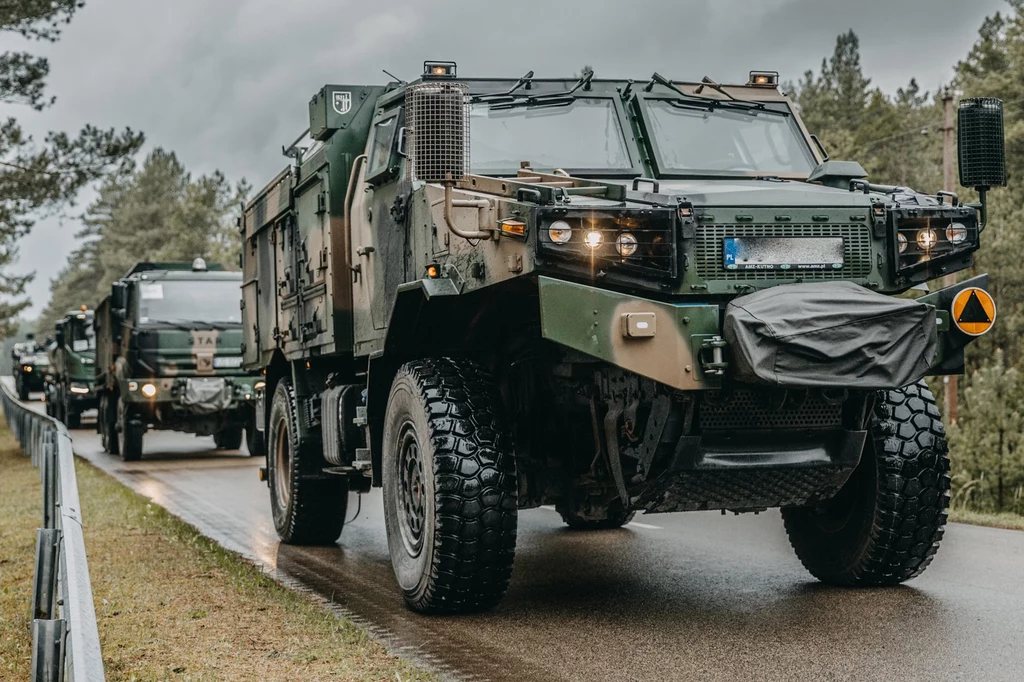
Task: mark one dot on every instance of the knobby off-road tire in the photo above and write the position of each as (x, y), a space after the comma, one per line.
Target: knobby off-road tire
(308, 508)
(106, 418)
(130, 430)
(254, 440)
(449, 487)
(617, 518)
(229, 438)
(885, 525)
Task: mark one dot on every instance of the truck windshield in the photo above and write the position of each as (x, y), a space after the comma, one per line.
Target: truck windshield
(195, 300)
(694, 140)
(83, 338)
(584, 135)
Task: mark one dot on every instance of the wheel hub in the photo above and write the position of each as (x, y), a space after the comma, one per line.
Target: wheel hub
(411, 492)
(283, 466)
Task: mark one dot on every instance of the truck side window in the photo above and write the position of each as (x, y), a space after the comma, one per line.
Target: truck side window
(379, 153)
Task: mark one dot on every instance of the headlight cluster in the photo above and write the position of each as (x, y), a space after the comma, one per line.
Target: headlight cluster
(921, 240)
(642, 241)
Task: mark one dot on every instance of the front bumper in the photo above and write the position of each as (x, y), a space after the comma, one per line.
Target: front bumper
(193, 395)
(682, 345)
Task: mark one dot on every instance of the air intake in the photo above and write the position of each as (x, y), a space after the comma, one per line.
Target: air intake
(437, 131)
(982, 150)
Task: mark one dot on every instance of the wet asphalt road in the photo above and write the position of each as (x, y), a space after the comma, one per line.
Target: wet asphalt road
(670, 597)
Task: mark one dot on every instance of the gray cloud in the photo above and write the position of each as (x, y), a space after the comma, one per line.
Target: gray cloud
(225, 83)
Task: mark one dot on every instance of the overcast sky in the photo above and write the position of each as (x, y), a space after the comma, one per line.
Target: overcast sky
(224, 83)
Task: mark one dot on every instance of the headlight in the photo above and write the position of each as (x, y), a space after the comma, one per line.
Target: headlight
(626, 244)
(80, 389)
(956, 233)
(926, 239)
(560, 232)
(592, 239)
(259, 385)
(901, 242)
(149, 390)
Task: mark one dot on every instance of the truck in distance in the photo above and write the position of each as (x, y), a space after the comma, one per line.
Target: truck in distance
(610, 296)
(30, 364)
(70, 390)
(168, 357)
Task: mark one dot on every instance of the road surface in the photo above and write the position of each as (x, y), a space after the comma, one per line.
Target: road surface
(670, 597)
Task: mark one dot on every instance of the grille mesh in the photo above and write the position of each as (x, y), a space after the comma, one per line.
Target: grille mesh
(745, 409)
(856, 251)
(437, 130)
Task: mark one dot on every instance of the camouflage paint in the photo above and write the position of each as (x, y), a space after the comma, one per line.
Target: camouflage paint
(593, 321)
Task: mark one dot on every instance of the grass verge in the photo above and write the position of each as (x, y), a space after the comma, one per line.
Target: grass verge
(171, 604)
(1006, 520)
(21, 513)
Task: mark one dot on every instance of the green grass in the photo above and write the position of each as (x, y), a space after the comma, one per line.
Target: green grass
(1007, 520)
(170, 603)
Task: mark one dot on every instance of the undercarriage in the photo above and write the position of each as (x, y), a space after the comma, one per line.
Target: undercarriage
(612, 439)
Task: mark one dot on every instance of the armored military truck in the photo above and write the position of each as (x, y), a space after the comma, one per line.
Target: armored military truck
(609, 296)
(70, 390)
(168, 357)
(30, 365)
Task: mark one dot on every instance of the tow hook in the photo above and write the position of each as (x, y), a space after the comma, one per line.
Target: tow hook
(713, 347)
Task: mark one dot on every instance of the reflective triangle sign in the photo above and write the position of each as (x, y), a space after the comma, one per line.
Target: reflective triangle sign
(974, 311)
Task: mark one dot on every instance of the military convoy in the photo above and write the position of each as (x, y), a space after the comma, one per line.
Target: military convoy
(168, 342)
(30, 364)
(609, 296)
(70, 386)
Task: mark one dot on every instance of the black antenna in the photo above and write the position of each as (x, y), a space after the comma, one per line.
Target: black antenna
(394, 76)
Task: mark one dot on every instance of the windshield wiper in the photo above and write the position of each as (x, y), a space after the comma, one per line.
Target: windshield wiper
(510, 100)
(711, 103)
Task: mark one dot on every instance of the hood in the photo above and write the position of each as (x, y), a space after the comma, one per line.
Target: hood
(763, 193)
(80, 366)
(208, 351)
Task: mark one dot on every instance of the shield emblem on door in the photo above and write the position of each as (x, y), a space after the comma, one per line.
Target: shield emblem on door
(342, 102)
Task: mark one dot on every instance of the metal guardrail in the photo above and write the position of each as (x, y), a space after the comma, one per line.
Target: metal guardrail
(65, 640)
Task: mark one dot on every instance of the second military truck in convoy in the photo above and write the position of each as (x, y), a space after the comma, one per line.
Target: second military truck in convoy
(70, 390)
(611, 297)
(168, 356)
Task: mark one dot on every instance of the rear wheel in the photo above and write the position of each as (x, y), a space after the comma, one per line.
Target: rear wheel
(885, 524)
(106, 422)
(229, 438)
(449, 487)
(22, 389)
(308, 506)
(130, 430)
(616, 517)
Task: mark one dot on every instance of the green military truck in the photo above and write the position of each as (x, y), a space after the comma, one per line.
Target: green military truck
(70, 390)
(610, 296)
(168, 357)
(30, 365)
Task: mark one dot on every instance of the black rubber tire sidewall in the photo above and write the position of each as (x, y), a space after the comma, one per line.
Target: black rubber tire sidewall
(315, 513)
(129, 434)
(406, 409)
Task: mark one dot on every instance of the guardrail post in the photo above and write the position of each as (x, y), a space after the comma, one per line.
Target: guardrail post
(48, 473)
(44, 584)
(48, 650)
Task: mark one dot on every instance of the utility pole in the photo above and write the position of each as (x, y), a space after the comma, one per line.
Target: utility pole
(951, 385)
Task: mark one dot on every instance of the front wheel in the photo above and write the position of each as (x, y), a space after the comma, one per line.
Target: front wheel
(106, 423)
(130, 431)
(308, 506)
(449, 481)
(229, 438)
(884, 525)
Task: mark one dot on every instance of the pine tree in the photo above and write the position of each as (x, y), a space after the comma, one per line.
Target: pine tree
(40, 178)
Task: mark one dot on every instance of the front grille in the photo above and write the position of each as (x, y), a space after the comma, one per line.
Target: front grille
(748, 409)
(710, 258)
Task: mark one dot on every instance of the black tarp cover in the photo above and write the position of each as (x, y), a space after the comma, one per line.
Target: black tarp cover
(832, 334)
